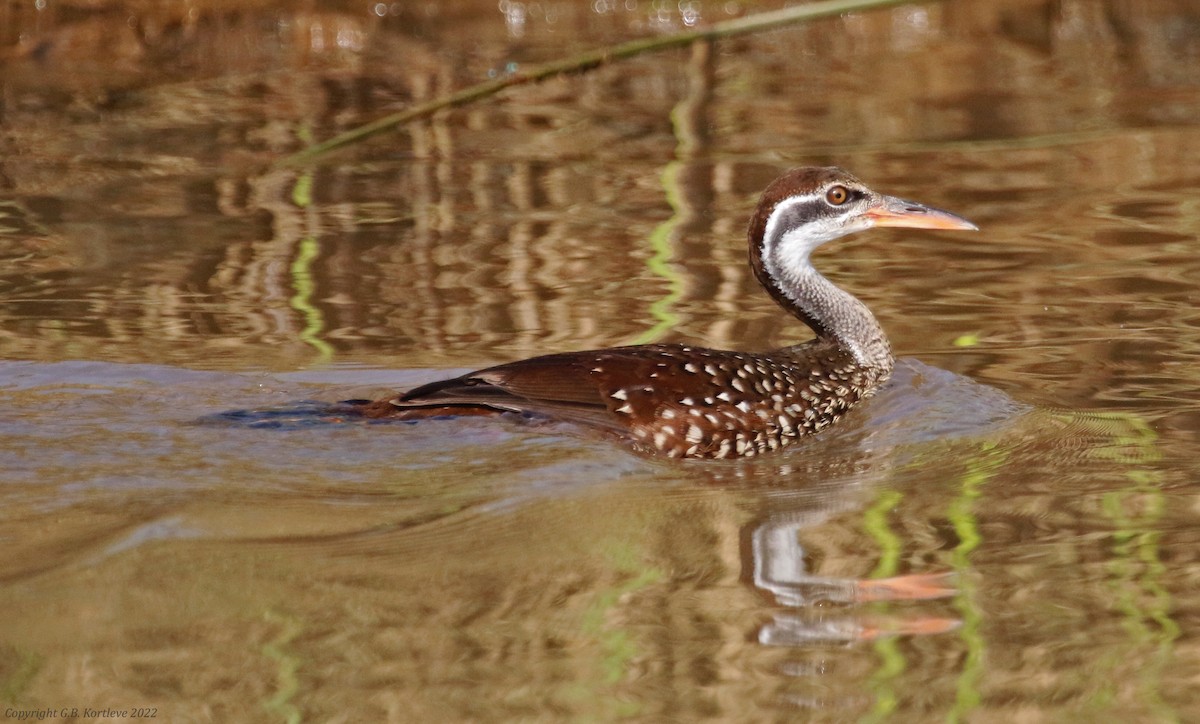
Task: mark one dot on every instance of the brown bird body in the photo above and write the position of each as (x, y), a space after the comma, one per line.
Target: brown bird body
(685, 401)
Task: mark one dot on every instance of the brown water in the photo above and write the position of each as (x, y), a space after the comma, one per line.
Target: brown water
(1032, 466)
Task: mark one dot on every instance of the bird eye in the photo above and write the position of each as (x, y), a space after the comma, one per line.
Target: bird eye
(837, 195)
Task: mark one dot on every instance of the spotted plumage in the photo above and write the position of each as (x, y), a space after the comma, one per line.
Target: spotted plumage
(683, 401)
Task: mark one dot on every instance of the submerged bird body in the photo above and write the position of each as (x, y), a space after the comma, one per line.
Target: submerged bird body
(677, 400)
(685, 401)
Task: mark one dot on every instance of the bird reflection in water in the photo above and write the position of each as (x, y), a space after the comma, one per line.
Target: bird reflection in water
(780, 570)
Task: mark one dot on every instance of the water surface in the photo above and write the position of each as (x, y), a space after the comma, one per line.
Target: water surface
(1006, 531)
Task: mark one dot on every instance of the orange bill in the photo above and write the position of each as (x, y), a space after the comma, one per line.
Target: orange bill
(891, 211)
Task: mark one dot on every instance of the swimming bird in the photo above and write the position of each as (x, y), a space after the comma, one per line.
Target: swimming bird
(686, 401)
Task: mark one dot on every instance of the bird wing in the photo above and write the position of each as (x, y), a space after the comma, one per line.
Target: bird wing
(612, 389)
(564, 386)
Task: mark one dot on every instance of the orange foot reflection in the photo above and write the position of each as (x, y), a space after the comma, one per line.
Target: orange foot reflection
(914, 587)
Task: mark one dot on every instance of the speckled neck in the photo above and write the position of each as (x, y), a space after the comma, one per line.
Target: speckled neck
(833, 313)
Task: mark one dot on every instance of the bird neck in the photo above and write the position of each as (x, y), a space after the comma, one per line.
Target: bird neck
(836, 315)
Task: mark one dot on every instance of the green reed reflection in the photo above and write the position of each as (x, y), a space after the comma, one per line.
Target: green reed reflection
(288, 664)
(302, 281)
(686, 125)
(659, 262)
(980, 469)
(891, 661)
(308, 251)
(1136, 569)
(875, 523)
(617, 646)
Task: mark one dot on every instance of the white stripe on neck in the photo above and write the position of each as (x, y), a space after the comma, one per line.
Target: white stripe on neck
(786, 258)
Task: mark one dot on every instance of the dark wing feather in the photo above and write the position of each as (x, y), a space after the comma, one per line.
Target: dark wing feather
(558, 385)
